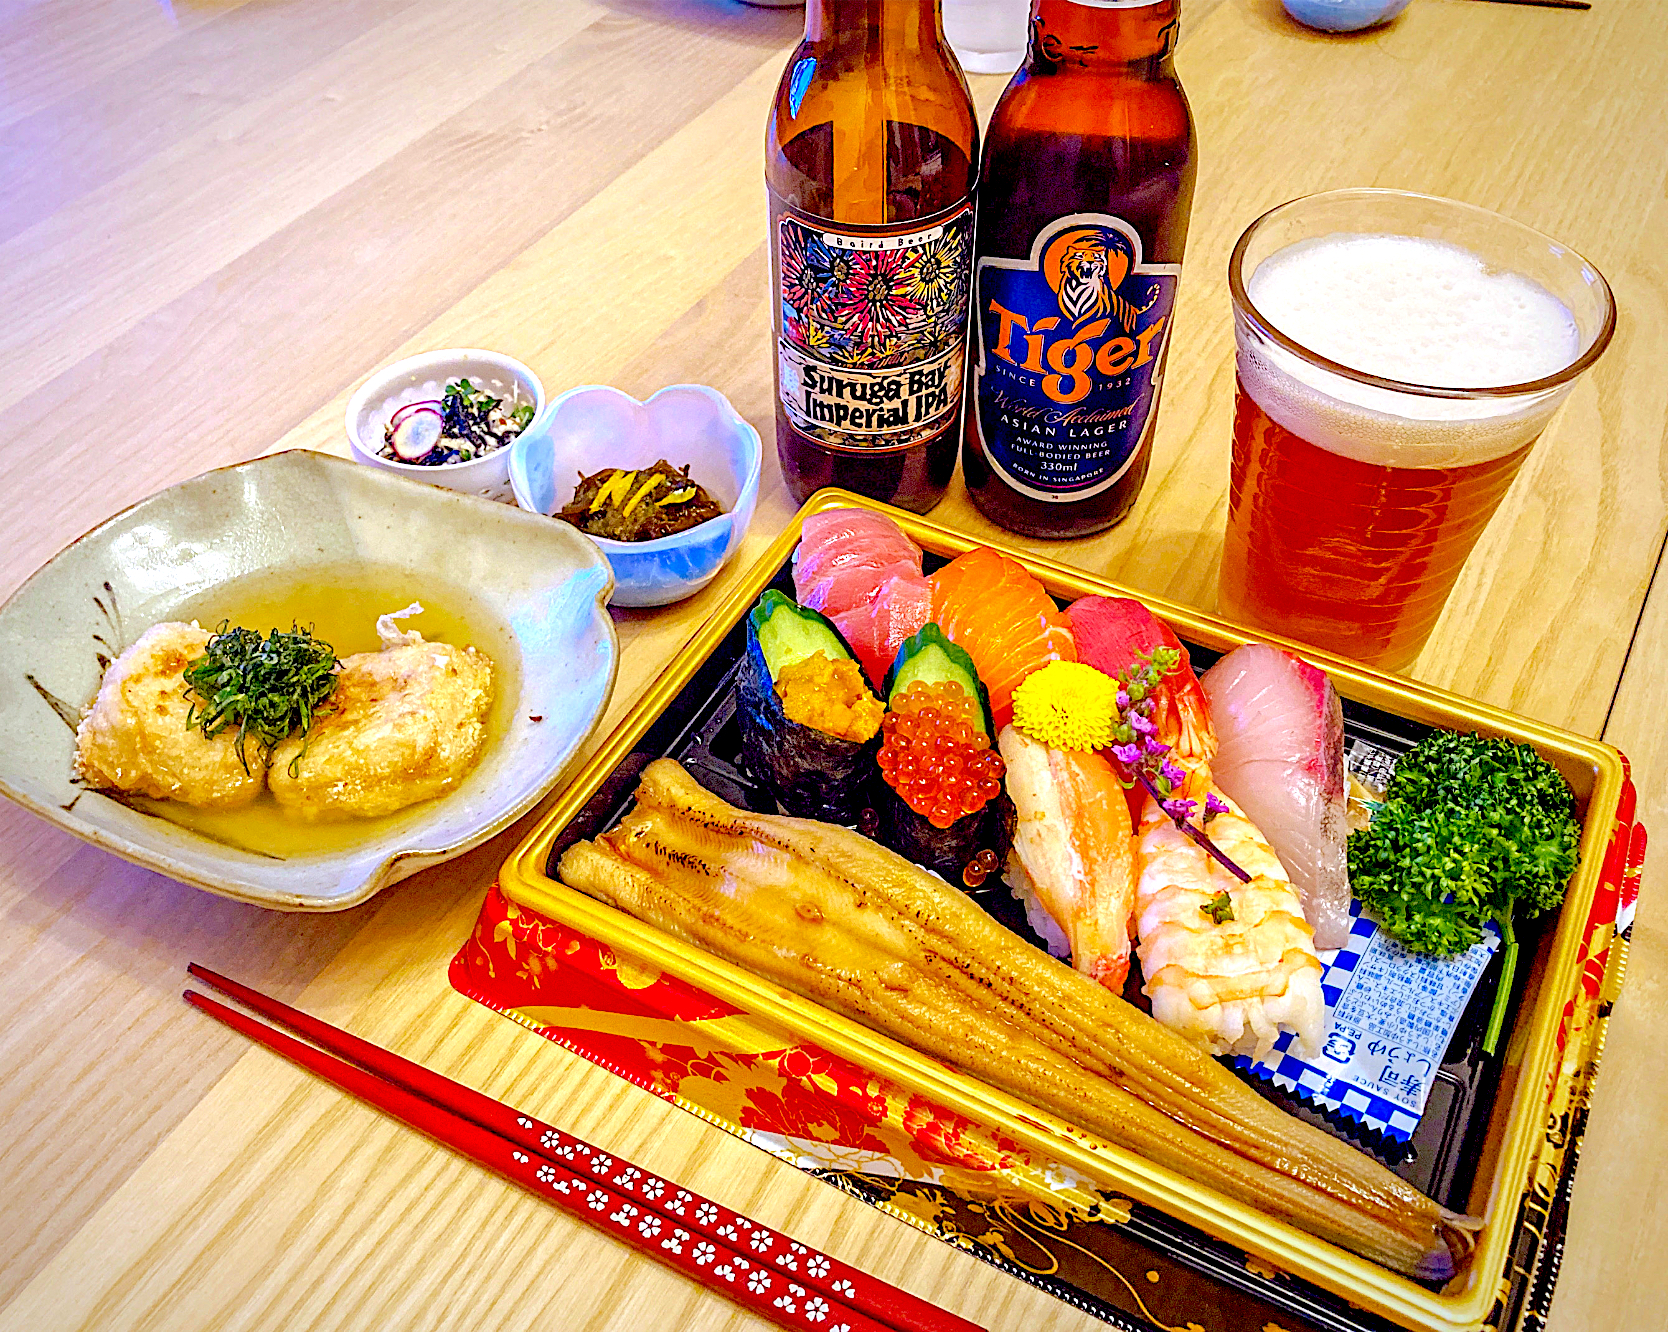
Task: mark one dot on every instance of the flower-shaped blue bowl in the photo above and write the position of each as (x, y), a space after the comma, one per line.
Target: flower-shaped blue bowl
(593, 427)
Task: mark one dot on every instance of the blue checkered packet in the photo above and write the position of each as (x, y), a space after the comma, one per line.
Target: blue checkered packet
(1390, 1014)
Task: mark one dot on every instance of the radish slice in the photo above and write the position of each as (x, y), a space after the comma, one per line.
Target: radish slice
(416, 435)
(427, 404)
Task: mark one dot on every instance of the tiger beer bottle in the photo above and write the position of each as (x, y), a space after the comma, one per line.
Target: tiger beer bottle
(1083, 202)
(869, 163)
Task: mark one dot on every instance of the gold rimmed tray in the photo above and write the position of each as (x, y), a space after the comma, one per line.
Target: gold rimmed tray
(1514, 1129)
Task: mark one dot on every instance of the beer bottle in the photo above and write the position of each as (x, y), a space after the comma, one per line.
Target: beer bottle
(1083, 201)
(869, 162)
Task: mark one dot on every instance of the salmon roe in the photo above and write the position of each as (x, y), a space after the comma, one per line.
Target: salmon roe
(934, 757)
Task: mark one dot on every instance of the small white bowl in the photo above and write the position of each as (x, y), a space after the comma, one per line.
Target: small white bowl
(422, 377)
(594, 427)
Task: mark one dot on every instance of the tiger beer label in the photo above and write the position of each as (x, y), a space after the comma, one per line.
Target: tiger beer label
(874, 329)
(1070, 355)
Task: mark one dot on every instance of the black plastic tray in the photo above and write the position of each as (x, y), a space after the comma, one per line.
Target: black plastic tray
(700, 730)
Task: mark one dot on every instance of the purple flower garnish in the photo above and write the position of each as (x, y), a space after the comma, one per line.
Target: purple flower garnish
(1126, 753)
(1172, 774)
(1142, 724)
(1180, 809)
(1123, 700)
(1214, 805)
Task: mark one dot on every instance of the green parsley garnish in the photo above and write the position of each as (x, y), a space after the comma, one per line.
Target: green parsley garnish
(1220, 908)
(266, 687)
(1471, 830)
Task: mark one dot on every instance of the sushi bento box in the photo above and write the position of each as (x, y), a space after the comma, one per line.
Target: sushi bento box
(1102, 1227)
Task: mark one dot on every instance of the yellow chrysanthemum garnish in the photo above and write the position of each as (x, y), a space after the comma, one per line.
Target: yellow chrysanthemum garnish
(1067, 705)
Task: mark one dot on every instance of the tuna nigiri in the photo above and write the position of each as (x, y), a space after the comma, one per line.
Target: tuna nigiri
(1109, 632)
(897, 611)
(1074, 848)
(845, 555)
(1003, 618)
(1280, 757)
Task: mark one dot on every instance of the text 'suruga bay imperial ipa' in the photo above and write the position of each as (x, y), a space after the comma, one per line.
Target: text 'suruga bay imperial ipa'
(1083, 202)
(870, 156)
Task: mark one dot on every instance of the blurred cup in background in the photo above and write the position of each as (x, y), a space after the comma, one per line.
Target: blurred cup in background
(988, 36)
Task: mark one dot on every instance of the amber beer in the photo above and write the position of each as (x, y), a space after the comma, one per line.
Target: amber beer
(1083, 205)
(869, 162)
(1397, 357)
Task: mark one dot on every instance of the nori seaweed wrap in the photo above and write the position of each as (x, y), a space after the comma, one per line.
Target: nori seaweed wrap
(812, 774)
(937, 743)
(947, 851)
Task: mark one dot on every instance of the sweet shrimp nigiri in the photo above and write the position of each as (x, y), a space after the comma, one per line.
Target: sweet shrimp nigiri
(1074, 848)
(1229, 965)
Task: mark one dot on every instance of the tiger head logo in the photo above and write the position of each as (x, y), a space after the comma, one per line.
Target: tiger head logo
(1085, 266)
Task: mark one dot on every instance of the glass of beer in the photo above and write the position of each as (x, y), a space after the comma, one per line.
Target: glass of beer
(1397, 356)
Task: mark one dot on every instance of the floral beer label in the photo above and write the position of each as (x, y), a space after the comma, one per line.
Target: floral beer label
(874, 329)
(1071, 354)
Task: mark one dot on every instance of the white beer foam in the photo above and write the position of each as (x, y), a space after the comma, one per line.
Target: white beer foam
(1419, 311)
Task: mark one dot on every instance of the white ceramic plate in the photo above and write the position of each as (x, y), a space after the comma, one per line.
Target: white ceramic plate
(544, 585)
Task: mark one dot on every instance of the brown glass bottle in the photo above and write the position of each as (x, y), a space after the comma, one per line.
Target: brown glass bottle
(869, 163)
(1084, 195)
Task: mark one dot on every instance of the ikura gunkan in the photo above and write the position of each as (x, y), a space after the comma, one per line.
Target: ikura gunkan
(941, 800)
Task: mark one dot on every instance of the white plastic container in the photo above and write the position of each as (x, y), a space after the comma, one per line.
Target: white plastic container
(988, 36)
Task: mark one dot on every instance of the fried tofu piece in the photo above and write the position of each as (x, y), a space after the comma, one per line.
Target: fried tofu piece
(404, 724)
(134, 737)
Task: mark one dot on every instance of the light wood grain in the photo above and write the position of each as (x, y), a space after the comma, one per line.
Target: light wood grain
(217, 218)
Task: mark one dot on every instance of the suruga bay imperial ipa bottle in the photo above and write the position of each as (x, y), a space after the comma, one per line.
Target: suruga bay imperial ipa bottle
(869, 161)
(1083, 203)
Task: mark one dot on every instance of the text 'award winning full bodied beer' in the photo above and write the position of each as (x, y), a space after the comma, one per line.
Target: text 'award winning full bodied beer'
(1083, 203)
(869, 161)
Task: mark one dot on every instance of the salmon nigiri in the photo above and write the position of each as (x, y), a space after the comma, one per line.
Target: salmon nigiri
(1002, 617)
(1075, 849)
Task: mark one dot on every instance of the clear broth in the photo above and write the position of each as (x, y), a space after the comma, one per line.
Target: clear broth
(341, 603)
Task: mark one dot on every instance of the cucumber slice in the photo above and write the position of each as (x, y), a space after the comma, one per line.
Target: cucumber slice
(787, 632)
(931, 657)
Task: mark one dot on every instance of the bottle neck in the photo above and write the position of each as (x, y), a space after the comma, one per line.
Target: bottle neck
(900, 26)
(1097, 37)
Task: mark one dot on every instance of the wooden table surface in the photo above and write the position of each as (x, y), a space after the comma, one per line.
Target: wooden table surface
(217, 216)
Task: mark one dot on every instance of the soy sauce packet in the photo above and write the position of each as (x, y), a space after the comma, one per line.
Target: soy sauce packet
(1390, 1014)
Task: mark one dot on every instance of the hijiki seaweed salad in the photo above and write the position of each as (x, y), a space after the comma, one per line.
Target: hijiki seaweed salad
(1192, 826)
(639, 504)
(463, 424)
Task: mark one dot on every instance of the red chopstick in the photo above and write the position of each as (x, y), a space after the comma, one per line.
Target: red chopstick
(793, 1284)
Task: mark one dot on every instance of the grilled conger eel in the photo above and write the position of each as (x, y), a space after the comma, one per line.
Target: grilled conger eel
(835, 917)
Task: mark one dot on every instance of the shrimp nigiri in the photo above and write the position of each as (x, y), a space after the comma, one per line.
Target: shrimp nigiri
(1229, 965)
(1073, 843)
